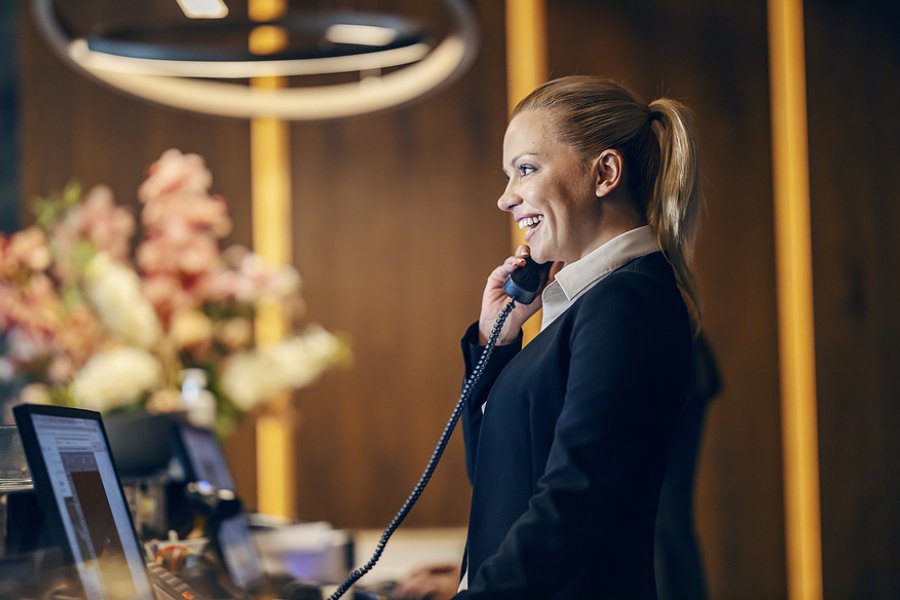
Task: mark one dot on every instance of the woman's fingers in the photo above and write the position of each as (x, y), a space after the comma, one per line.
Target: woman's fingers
(504, 270)
(436, 582)
(495, 298)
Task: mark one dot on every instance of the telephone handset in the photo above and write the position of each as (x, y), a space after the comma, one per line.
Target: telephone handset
(527, 281)
(523, 285)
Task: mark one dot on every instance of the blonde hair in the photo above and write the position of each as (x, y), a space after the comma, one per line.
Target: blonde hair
(659, 149)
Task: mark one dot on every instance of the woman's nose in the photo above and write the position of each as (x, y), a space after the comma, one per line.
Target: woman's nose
(508, 200)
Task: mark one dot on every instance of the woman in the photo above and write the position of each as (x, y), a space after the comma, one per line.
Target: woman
(567, 438)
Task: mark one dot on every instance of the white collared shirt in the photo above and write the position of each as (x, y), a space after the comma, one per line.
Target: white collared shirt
(578, 277)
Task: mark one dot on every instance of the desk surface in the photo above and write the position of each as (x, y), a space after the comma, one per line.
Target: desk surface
(409, 548)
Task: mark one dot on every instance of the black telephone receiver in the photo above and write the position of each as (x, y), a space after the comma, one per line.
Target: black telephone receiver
(527, 281)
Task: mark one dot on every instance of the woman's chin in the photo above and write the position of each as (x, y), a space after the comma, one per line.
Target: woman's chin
(538, 255)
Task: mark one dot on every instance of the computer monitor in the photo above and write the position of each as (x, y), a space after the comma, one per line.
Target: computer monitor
(82, 500)
(203, 460)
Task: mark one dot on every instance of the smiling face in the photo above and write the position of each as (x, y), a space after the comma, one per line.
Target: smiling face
(551, 191)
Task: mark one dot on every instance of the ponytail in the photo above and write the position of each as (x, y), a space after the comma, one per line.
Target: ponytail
(659, 147)
(673, 209)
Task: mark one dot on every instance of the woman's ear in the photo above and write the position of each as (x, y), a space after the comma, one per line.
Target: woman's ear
(608, 172)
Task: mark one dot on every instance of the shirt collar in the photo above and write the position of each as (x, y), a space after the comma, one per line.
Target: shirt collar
(577, 277)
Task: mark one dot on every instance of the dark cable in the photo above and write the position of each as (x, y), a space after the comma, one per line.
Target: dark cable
(435, 456)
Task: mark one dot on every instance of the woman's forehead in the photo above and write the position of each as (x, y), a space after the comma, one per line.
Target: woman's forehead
(529, 132)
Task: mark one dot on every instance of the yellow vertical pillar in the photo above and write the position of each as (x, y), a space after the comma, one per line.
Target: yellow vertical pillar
(526, 68)
(271, 213)
(795, 299)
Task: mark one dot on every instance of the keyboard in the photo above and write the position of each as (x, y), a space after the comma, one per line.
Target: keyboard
(167, 586)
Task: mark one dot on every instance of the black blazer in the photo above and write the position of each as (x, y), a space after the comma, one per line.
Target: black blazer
(567, 460)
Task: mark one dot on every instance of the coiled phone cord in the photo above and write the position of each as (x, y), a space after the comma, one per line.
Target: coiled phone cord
(435, 456)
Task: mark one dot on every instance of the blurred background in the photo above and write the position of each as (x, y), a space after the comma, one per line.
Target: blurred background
(395, 227)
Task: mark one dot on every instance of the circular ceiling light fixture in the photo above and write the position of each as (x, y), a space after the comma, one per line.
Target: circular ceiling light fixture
(193, 65)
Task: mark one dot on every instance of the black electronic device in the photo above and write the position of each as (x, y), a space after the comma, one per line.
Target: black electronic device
(527, 282)
(205, 467)
(203, 461)
(84, 506)
(200, 455)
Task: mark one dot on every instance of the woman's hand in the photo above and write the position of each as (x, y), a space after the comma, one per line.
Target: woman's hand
(434, 582)
(495, 299)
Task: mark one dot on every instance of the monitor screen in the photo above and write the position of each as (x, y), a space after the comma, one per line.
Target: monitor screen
(205, 461)
(204, 457)
(75, 478)
(239, 552)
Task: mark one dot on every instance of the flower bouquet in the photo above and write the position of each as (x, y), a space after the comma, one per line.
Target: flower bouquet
(93, 316)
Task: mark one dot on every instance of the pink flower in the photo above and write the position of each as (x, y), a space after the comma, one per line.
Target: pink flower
(249, 279)
(200, 212)
(183, 225)
(106, 225)
(175, 251)
(80, 335)
(197, 255)
(177, 190)
(29, 248)
(33, 307)
(96, 224)
(175, 173)
(177, 269)
(166, 294)
(23, 253)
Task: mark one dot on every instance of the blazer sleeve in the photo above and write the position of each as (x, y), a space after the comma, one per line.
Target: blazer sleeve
(624, 347)
(472, 412)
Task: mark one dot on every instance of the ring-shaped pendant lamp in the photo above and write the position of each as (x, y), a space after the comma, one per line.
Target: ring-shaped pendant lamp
(167, 75)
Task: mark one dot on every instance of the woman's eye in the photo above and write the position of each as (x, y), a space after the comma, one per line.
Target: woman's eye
(526, 170)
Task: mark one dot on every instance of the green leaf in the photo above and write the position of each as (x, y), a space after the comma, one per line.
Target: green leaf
(82, 254)
(71, 195)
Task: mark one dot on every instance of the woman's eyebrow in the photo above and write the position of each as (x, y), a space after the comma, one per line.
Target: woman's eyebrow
(512, 162)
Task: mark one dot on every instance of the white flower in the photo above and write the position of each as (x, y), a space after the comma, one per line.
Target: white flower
(36, 393)
(301, 359)
(255, 376)
(245, 379)
(190, 327)
(283, 282)
(115, 292)
(115, 378)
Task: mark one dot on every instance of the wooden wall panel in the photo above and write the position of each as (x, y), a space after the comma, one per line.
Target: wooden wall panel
(853, 58)
(713, 57)
(74, 128)
(397, 227)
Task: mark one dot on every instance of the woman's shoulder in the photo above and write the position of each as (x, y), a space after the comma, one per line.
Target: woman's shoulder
(636, 311)
(644, 289)
(654, 267)
(649, 274)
